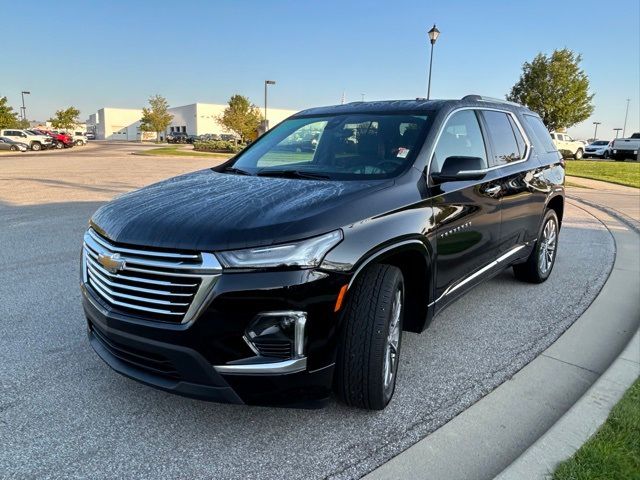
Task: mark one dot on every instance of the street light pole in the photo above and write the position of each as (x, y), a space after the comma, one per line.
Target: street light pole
(626, 113)
(595, 134)
(433, 36)
(24, 109)
(617, 130)
(266, 121)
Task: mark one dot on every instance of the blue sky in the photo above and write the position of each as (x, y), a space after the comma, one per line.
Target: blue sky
(118, 53)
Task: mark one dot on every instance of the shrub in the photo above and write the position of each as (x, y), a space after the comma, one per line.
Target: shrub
(217, 146)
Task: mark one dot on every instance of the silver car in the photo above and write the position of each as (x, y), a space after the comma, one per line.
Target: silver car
(8, 144)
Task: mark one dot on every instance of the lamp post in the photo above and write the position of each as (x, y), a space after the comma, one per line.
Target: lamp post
(617, 130)
(266, 83)
(595, 134)
(626, 113)
(434, 33)
(24, 109)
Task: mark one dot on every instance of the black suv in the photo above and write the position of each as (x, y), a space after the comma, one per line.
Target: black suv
(286, 273)
(177, 137)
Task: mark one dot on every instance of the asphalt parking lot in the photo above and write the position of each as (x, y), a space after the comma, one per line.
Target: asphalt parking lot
(64, 413)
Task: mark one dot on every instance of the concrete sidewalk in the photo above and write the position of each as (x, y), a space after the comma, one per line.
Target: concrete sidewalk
(491, 435)
(625, 200)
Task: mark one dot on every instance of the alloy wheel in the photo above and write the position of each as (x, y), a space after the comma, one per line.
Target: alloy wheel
(392, 348)
(548, 243)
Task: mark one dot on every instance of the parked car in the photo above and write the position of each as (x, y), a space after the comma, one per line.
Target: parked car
(90, 136)
(79, 138)
(623, 148)
(177, 137)
(599, 148)
(60, 140)
(34, 140)
(272, 280)
(8, 144)
(567, 145)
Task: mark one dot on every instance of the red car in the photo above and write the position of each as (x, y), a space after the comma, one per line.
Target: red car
(60, 140)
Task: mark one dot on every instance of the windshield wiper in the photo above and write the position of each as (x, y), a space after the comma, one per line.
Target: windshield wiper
(293, 174)
(238, 171)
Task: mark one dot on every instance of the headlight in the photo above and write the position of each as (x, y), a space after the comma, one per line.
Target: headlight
(305, 253)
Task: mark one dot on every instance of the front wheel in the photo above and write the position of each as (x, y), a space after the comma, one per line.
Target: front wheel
(13, 148)
(36, 147)
(579, 153)
(59, 145)
(606, 155)
(371, 331)
(538, 266)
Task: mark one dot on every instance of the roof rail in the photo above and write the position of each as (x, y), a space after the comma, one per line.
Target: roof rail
(480, 98)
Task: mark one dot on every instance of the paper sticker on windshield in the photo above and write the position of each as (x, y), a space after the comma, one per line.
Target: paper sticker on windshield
(402, 152)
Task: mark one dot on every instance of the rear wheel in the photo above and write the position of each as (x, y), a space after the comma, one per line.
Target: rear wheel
(13, 148)
(606, 154)
(538, 266)
(579, 153)
(369, 349)
(59, 145)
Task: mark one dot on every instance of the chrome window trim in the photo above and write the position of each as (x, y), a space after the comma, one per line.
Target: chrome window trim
(527, 141)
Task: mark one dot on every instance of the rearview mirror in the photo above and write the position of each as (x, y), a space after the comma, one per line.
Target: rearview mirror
(460, 168)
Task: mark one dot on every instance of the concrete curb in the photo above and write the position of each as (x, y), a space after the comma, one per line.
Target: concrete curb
(581, 421)
(489, 436)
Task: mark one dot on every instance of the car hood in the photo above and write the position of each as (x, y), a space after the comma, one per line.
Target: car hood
(207, 210)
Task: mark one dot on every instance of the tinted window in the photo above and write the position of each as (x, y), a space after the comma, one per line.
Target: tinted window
(541, 139)
(461, 137)
(341, 146)
(522, 146)
(505, 148)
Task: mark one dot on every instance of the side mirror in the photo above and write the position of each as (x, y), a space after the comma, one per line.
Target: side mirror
(460, 168)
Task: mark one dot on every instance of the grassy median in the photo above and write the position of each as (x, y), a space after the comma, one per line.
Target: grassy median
(622, 173)
(614, 451)
(178, 151)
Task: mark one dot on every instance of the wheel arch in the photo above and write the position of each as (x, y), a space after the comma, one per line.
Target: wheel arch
(413, 258)
(556, 203)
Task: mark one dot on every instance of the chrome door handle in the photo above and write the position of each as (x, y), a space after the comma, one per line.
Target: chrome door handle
(493, 190)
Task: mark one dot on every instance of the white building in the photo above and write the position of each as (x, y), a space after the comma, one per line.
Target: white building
(193, 119)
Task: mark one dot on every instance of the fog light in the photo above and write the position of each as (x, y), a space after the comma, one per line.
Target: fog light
(277, 334)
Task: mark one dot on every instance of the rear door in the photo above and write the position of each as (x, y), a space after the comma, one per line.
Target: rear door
(467, 213)
(515, 170)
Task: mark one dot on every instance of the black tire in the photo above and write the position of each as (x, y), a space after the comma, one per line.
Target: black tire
(13, 148)
(533, 269)
(36, 147)
(364, 350)
(578, 155)
(606, 155)
(59, 145)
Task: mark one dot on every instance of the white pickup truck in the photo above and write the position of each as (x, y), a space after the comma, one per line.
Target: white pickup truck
(567, 145)
(623, 148)
(35, 142)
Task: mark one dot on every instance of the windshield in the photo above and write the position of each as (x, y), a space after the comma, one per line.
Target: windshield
(601, 142)
(344, 147)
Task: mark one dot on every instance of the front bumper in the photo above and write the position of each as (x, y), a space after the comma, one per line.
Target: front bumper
(182, 358)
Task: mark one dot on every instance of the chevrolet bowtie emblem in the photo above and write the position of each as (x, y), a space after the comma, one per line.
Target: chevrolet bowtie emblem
(111, 262)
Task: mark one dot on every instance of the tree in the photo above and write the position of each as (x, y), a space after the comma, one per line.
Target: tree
(555, 88)
(66, 119)
(8, 118)
(156, 118)
(241, 117)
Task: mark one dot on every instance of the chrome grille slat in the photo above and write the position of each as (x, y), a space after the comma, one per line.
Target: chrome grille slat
(136, 298)
(140, 279)
(155, 285)
(106, 281)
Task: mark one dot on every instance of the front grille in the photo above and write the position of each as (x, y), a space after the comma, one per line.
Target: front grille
(152, 284)
(151, 362)
(274, 348)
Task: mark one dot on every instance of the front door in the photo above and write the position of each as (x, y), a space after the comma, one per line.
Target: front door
(467, 212)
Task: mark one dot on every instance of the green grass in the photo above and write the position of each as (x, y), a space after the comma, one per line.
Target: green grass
(614, 451)
(622, 173)
(182, 152)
